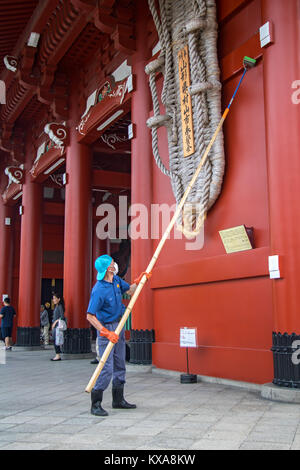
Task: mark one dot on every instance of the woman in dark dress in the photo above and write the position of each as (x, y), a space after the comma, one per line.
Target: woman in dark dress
(58, 313)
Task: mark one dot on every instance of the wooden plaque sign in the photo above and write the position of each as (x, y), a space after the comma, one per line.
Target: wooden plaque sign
(186, 102)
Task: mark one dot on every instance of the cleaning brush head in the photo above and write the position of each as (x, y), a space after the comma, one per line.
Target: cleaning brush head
(248, 62)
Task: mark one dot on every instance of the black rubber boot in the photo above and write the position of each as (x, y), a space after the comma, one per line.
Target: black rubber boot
(118, 398)
(96, 409)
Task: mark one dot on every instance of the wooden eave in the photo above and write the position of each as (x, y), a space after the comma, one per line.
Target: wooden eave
(11, 192)
(48, 159)
(100, 113)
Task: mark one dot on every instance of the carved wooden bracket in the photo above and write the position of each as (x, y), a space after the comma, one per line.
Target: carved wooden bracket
(25, 74)
(15, 174)
(17, 149)
(60, 104)
(6, 133)
(85, 5)
(5, 145)
(123, 39)
(16, 177)
(12, 143)
(43, 91)
(50, 157)
(11, 63)
(58, 180)
(117, 21)
(103, 18)
(104, 109)
(59, 134)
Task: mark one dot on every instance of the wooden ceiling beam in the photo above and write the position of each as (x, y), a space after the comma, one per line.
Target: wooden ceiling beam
(116, 19)
(110, 179)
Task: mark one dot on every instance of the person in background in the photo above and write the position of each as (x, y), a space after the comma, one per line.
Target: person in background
(7, 314)
(44, 318)
(50, 311)
(58, 313)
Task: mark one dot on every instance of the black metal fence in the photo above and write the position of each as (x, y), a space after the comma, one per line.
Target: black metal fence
(285, 357)
(28, 337)
(141, 346)
(77, 341)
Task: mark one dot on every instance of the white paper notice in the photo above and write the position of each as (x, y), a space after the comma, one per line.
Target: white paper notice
(274, 268)
(274, 274)
(188, 337)
(274, 263)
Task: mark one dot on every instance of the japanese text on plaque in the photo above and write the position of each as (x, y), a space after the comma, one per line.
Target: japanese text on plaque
(186, 102)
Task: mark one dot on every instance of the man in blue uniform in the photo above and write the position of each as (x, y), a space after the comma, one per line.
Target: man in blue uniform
(104, 312)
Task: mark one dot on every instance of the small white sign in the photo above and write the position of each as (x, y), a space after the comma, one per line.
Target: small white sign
(264, 31)
(4, 297)
(266, 34)
(274, 268)
(274, 274)
(188, 337)
(33, 40)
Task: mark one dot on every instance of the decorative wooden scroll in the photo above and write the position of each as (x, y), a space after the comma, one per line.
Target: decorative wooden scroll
(15, 174)
(11, 63)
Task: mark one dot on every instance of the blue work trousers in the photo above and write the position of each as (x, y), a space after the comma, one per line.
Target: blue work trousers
(114, 368)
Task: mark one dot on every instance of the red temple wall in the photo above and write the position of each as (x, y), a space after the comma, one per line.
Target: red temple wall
(208, 289)
(229, 298)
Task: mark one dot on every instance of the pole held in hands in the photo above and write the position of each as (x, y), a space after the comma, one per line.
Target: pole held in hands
(160, 245)
(153, 261)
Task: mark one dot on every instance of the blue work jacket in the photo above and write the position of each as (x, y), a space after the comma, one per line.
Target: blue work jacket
(106, 300)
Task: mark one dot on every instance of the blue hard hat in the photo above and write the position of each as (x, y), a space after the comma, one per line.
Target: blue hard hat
(101, 264)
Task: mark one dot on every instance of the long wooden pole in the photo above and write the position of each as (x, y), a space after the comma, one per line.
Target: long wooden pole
(162, 241)
(154, 257)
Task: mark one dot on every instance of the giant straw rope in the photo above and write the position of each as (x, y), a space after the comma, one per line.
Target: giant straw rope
(193, 23)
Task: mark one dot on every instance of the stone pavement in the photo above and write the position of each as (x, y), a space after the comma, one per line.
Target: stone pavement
(43, 406)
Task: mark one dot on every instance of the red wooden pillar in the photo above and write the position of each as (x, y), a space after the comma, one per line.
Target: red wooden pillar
(78, 244)
(282, 117)
(6, 249)
(99, 248)
(28, 332)
(141, 180)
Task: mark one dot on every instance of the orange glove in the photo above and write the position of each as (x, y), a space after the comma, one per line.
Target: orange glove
(110, 335)
(138, 280)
